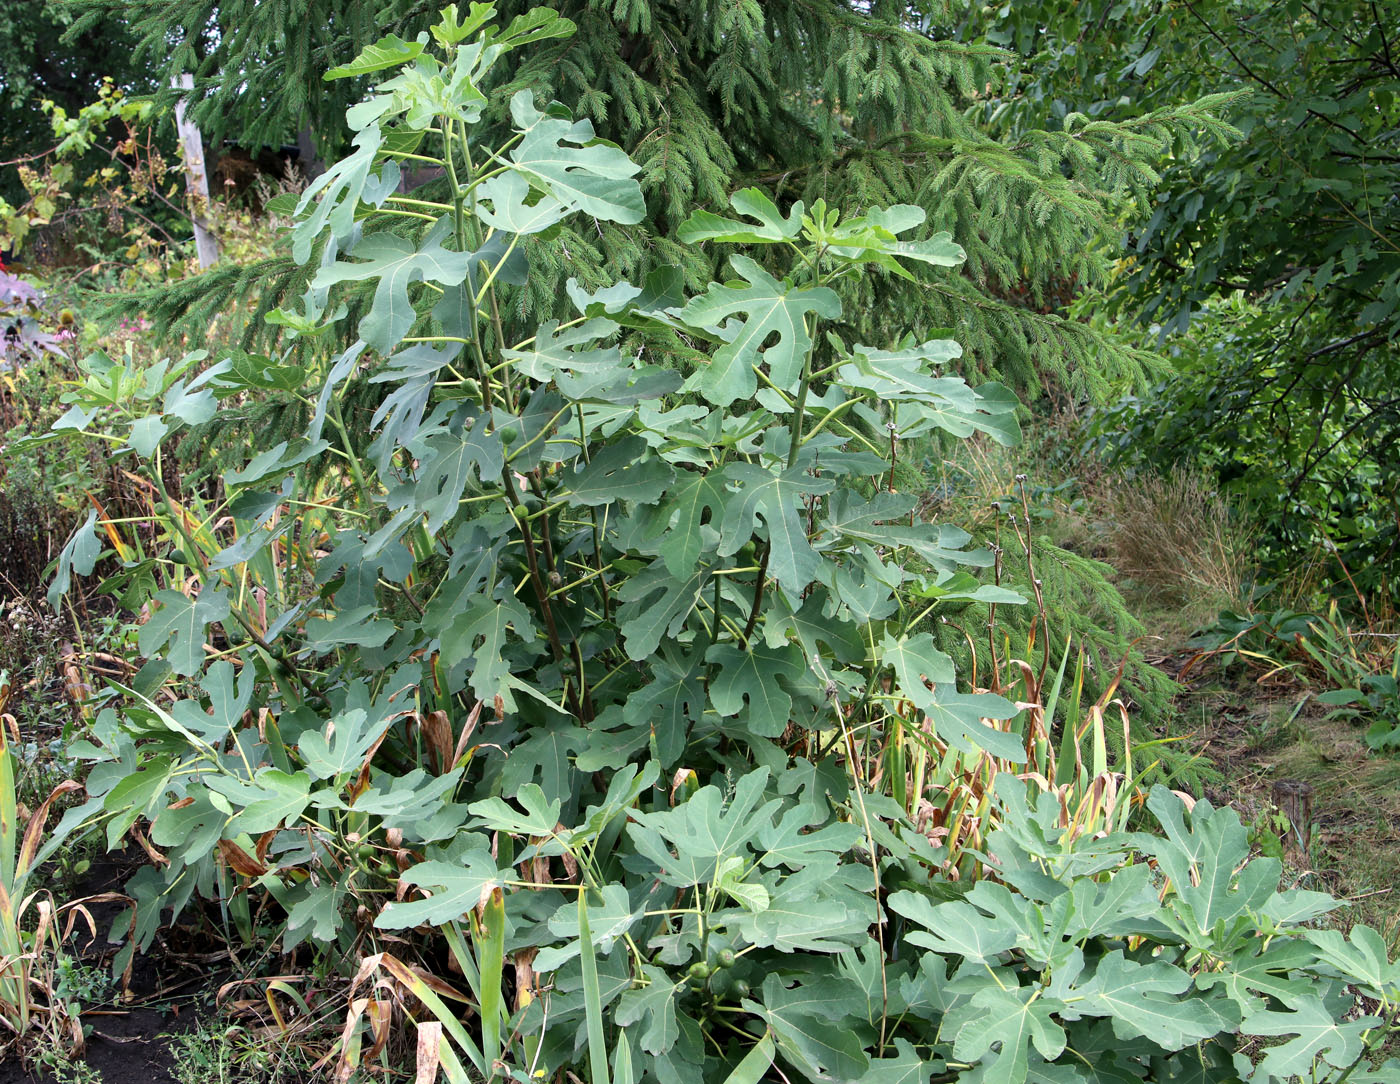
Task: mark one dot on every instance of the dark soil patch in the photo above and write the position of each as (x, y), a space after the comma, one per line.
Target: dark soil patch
(170, 988)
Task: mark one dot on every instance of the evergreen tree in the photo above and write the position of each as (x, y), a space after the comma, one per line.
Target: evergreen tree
(857, 103)
(1269, 265)
(44, 57)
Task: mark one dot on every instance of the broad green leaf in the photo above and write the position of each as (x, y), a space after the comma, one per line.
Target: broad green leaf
(396, 262)
(451, 459)
(730, 879)
(624, 788)
(457, 887)
(341, 189)
(136, 793)
(817, 992)
(508, 203)
(1017, 1019)
(903, 376)
(277, 460)
(1254, 973)
(664, 711)
(1112, 908)
(957, 717)
(790, 843)
(1202, 861)
(1317, 1034)
(412, 373)
(620, 471)
(556, 355)
(703, 830)
(883, 520)
(873, 237)
(316, 914)
(146, 434)
(809, 627)
(360, 627)
(272, 799)
(645, 618)
(771, 226)
(610, 915)
(227, 703)
(751, 677)
(809, 1042)
(804, 925)
(1142, 1000)
(388, 52)
(698, 501)
(407, 800)
(79, 554)
(547, 754)
(906, 1067)
(480, 633)
(178, 626)
(1363, 956)
(342, 745)
(1386, 1073)
(191, 832)
(953, 928)
(654, 1003)
(570, 163)
(1297, 905)
(536, 24)
(746, 317)
(939, 250)
(193, 401)
(778, 500)
(540, 819)
(453, 29)
(916, 660)
(755, 1064)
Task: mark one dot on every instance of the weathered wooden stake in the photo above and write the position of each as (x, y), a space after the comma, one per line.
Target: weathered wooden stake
(196, 178)
(1295, 801)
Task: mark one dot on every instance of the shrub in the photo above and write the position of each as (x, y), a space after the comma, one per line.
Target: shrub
(1178, 538)
(577, 673)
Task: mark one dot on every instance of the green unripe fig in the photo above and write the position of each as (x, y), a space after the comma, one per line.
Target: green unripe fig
(509, 436)
(366, 851)
(740, 988)
(519, 511)
(387, 870)
(725, 958)
(699, 970)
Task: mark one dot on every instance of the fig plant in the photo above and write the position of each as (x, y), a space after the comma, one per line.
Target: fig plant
(565, 662)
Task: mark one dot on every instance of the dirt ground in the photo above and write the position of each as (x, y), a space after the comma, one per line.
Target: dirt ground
(1259, 735)
(129, 1036)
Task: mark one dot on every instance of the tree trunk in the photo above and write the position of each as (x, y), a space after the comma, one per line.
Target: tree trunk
(196, 179)
(1295, 801)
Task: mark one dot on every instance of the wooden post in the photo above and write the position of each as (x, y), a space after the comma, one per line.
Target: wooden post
(1295, 801)
(196, 178)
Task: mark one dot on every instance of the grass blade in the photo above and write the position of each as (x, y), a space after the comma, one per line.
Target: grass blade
(491, 943)
(755, 1063)
(592, 997)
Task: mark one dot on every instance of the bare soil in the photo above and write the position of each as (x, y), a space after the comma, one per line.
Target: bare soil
(1257, 735)
(128, 1038)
